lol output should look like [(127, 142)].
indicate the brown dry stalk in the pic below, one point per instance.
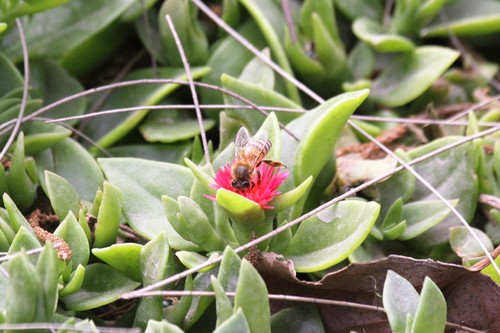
[(36, 218)]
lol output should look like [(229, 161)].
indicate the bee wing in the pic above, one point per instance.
[(242, 138)]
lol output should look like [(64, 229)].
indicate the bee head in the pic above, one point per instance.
[(241, 184)]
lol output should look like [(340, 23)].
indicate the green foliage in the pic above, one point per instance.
[(136, 199)]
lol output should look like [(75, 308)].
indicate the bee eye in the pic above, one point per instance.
[(234, 183)]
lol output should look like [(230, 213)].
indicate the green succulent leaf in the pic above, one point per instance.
[(236, 323), (49, 37), (259, 95), (123, 257), (62, 195), (201, 231), (40, 136), (142, 183), (373, 34), (156, 262), (466, 246), (176, 313), (16, 218), (102, 285), (465, 18), (410, 75), (22, 290), (400, 300), (21, 187), (300, 318), (330, 236), (420, 216), (162, 327), (53, 83), (75, 282), (288, 199), (224, 307), (71, 231), (455, 178), (108, 218), (192, 37), (252, 298), (242, 210), (318, 131), (47, 269), (66, 157), (118, 125), (431, 312), (270, 20), (24, 240), (192, 259)]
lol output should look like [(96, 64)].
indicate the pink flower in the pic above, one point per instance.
[(262, 192)]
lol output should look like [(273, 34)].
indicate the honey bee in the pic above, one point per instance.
[(249, 154)]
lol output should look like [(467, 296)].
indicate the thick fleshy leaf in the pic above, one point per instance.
[(24, 240), (454, 179), (252, 297), (48, 272), (201, 231), (162, 327), (236, 323), (270, 20), (142, 183), (420, 216), (22, 290), (224, 307), (108, 218), (192, 259), (466, 18), (71, 231), (16, 218), (11, 78), (47, 32), (242, 210), (298, 319), (288, 199), (66, 157), (102, 285), (189, 30), (170, 126), (173, 153), (220, 63), (465, 245), (22, 189), (431, 312), (356, 8), (175, 313), (53, 83), (119, 125), (256, 71), (410, 74), (372, 33), (40, 136), (330, 236), (229, 270), (258, 95), (62, 195), (75, 282), (157, 263), (123, 257), (318, 131), (199, 304), (400, 300)]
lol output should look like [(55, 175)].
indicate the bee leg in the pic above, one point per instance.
[(258, 177), (274, 164)]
